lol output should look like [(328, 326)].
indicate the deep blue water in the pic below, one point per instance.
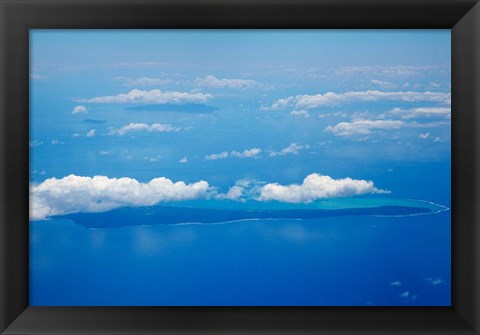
[(331, 261)]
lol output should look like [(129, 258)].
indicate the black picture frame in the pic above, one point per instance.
[(18, 16)]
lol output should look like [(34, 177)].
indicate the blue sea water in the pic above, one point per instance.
[(249, 253), (332, 261)]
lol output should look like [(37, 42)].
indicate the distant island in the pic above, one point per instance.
[(218, 211)]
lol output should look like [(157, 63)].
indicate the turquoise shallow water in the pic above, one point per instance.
[(348, 260)]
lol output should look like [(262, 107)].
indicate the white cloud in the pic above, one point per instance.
[(249, 153), (315, 187), (300, 113), (35, 143), (421, 112), (435, 281), (340, 114), (334, 99), (234, 193), (437, 139), (80, 110), (90, 133), (292, 149), (243, 188), (363, 127), (152, 97), (104, 152), (143, 81), (73, 193), (213, 82), (383, 84), (396, 283), (213, 157), (395, 71), (97, 194), (407, 297), (424, 136), (184, 160), (136, 127)]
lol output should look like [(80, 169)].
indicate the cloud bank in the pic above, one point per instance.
[(74, 194), (97, 194), (395, 71), (363, 127), (151, 97), (428, 112), (213, 82), (383, 84), (334, 99), (315, 187), (142, 81)]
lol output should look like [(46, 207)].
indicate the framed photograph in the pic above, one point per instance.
[(237, 167)]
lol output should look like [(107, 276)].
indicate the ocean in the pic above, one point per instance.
[(339, 260), (332, 147)]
